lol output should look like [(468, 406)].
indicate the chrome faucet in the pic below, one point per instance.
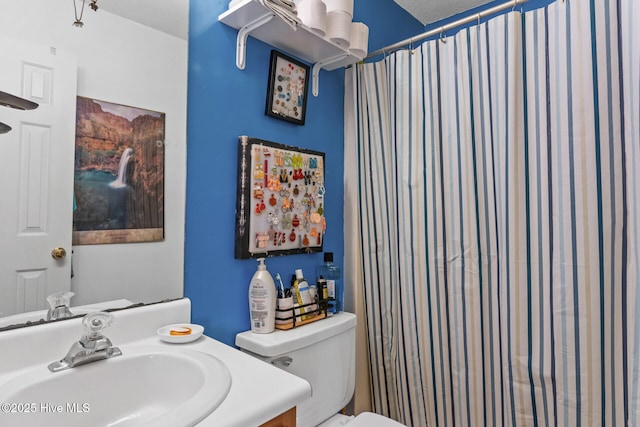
[(59, 305), (93, 345)]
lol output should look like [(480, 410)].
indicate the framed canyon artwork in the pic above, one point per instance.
[(118, 174)]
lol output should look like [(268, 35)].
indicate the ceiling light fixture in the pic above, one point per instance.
[(12, 101), (4, 128), (78, 22)]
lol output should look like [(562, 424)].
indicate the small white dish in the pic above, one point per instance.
[(165, 333)]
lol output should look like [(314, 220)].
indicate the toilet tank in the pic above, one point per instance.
[(322, 352)]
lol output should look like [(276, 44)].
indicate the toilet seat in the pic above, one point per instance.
[(369, 419), (365, 419), (338, 420)]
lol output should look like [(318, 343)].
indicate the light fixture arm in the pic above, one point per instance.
[(78, 22)]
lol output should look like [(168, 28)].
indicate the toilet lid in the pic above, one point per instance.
[(369, 419)]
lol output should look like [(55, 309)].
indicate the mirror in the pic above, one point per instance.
[(129, 53)]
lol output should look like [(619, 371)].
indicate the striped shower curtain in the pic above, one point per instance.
[(496, 182)]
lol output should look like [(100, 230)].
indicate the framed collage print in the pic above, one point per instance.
[(288, 88)]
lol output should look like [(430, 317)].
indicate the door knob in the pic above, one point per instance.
[(58, 253)]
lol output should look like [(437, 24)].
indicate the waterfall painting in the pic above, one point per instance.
[(119, 174)]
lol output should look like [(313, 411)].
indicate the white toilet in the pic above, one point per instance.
[(323, 353)]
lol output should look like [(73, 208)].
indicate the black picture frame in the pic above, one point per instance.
[(280, 199), (288, 88)]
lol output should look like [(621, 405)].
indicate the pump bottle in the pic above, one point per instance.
[(262, 300)]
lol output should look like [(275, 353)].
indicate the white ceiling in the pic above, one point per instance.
[(172, 16), (429, 11), (169, 16)]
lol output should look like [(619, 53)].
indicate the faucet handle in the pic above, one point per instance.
[(60, 298), (59, 305), (94, 323)]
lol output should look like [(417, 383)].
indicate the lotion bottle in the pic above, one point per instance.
[(262, 300)]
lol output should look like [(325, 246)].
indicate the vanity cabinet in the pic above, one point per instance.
[(286, 419)]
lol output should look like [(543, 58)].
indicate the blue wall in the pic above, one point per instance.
[(224, 103)]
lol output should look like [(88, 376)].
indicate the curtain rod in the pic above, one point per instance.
[(441, 30)]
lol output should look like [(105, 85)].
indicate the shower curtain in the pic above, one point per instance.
[(493, 179)]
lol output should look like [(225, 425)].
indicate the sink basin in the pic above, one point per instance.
[(147, 385)]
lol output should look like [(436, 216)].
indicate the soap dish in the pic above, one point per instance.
[(180, 333)]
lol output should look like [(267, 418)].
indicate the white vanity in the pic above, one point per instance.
[(151, 383)]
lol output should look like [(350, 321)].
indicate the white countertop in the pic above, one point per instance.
[(258, 392)]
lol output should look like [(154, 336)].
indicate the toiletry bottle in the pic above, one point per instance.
[(262, 300), (331, 273), (323, 296), (297, 300), (303, 296)]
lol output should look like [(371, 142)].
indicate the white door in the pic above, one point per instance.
[(36, 175)]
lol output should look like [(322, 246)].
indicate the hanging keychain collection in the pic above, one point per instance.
[(287, 199)]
